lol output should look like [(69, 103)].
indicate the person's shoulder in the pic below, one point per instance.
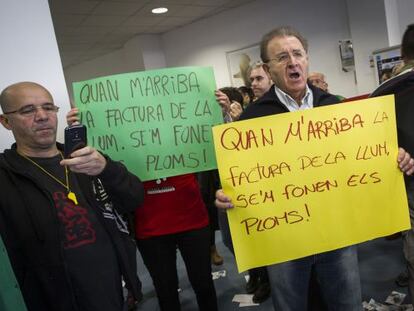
[(4, 161), (395, 85), (266, 105), (322, 98)]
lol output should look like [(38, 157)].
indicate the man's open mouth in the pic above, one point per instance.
[(294, 75)]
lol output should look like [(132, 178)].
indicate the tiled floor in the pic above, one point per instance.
[(380, 262)]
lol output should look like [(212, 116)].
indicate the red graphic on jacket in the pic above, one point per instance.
[(74, 218)]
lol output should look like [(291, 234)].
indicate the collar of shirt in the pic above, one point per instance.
[(291, 104)]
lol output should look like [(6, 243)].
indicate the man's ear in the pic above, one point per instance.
[(5, 121), (266, 68)]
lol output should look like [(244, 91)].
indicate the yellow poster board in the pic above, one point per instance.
[(311, 181)]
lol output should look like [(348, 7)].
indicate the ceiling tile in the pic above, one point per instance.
[(143, 20), (64, 30), (190, 11), (118, 8), (72, 6), (236, 3), (103, 20), (176, 21), (129, 29), (210, 2), (158, 29), (92, 30), (166, 3), (115, 38), (69, 19), (80, 38), (76, 47)]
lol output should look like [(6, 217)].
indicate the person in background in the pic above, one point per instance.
[(229, 99), (260, 80), (258, 283), (51, 221), (230, 107), (248, 95), (284, 54), (402, 86), (173, 216), (386, 74), (318, 79)]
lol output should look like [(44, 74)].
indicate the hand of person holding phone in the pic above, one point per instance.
[(86, 160)]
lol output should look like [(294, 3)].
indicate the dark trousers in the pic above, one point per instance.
[(160, 255)]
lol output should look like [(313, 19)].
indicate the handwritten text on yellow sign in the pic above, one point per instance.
[(311, 181)]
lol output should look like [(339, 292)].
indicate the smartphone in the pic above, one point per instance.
[(75, 138)]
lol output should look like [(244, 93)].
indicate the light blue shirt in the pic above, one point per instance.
[(291, 104)]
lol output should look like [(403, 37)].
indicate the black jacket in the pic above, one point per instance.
[(403, 88), (270, 104), (30, 229)]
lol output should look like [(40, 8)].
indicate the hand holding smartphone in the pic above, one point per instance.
[(75, 138)]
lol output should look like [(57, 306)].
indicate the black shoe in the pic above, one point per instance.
[(252, 285), (402, 279), (262, 293), (133, 303)]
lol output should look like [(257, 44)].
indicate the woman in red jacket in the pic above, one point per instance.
[(173, 217)]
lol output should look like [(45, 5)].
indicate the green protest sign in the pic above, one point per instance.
[(10, 297), (157, 122)]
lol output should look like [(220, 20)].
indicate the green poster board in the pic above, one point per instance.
[(157, 122), (10, 297)]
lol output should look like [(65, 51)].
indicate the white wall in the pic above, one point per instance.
[(152, 51), (29, 52), (207, 41), (140, 53), (405, 13), (119, 61), (393, 22)]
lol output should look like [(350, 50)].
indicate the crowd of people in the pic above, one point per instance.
[(71, 226)]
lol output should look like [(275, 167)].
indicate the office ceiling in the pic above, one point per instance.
[(86, 29)]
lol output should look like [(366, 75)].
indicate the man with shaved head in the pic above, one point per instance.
[(56, 214)]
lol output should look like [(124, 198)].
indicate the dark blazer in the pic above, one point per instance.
[(30, 229)]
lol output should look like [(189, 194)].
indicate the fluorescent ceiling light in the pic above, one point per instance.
[(159, 10)]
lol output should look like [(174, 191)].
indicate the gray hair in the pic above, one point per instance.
[(282, 31)]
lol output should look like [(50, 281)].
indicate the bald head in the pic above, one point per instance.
[(8, 95)]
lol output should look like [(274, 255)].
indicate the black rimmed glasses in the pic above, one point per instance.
[(31, 110)]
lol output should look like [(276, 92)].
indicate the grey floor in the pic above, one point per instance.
[(380, 262)]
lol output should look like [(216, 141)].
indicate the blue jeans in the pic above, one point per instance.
[(225, 230), (336, 272)]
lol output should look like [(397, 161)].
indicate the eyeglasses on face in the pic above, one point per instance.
[(285, 56), (31, 110)]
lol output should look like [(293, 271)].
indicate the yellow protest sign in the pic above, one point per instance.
[(311, 181)]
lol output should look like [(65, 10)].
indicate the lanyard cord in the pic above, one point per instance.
[(70, 195)]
